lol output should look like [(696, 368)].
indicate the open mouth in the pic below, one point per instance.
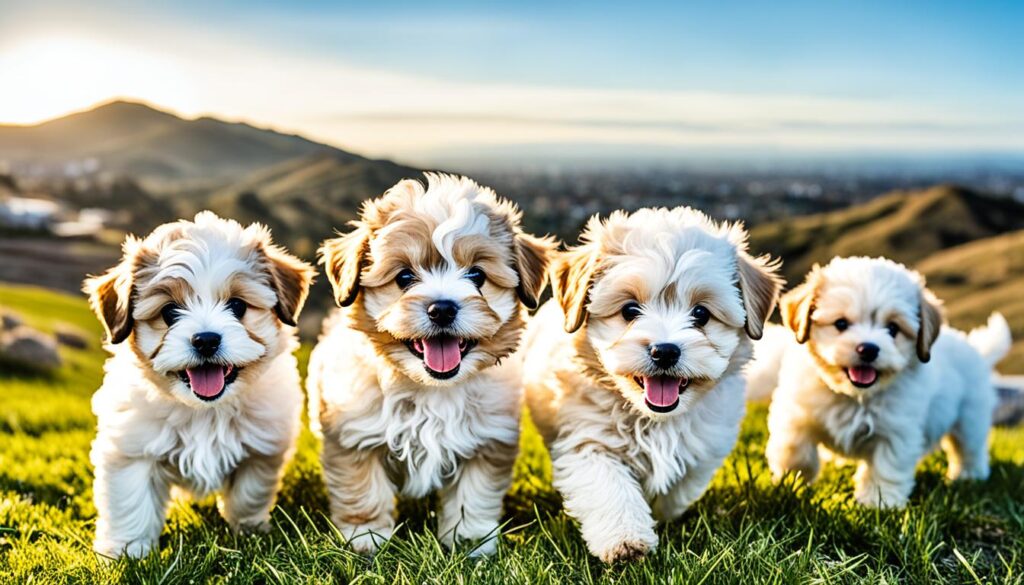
[(862, 376), (661, 393), (209, 381), (442, 355)]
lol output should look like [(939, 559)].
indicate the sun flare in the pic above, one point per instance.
[(58, 75)]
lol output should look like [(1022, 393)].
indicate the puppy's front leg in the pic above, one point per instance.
[(471, 505), (602, 494), (792, 447), (362, 497), (131, 503), (886, 479), (251, 491)]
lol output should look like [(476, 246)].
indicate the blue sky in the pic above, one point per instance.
[(867, 76)]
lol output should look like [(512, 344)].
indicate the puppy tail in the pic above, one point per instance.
[(993, 340), (762, 373)]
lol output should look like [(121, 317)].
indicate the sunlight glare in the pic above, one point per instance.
[(52, 76)]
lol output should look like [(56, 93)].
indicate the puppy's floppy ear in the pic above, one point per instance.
[(759, 286), (797, 305), (573, 276), (343, 259), (930, 314), (532, 256), (290, 278), (110, 294)]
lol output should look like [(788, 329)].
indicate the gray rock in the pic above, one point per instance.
[(29, 348), (71, 337), (9, 320)]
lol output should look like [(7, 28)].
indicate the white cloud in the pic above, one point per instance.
[(400, 115)]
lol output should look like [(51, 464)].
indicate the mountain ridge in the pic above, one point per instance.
[(157, 147)]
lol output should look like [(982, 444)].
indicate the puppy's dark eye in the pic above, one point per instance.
[(237, 307), (893, 329), (476, 276), (842, 324), (405, 278), (170, 313), (631, 310), (701, 315)]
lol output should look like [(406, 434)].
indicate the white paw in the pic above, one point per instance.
[(485, 548), (974, 474), (875, 498), (135, 549), (627, 550), (364, 538)]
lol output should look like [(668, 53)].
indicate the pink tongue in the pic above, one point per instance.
[(442, 354), (863, 374), (206, 380), (661, 390)]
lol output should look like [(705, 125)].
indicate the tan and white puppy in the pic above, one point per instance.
[(407, 382), (202, 392), (870, 373), (633, 371)]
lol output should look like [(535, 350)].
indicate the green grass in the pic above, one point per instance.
[(743, 530)]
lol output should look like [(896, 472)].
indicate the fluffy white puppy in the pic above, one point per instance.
[(639, 396), (405, 382), (201, 392), (870, 373)]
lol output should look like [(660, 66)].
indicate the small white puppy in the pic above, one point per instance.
[(405, 382), (202, 391), (872, 375), (635, 381)]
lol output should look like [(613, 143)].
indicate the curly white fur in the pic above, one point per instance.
[(153, 433), (620, 464), (912, 407)]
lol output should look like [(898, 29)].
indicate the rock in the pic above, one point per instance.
[(30, 349), (72, 337), (9, 321), (1010, 409)]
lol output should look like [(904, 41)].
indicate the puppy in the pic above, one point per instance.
[(201, 392), (640, 397), (405, 382), (874, 376)]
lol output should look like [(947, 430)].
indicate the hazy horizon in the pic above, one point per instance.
[(407, 81)]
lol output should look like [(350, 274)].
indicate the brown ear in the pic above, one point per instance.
[(110, 297), (343, 259), (573, 276), (797, 305), (759, 285), (290, 278), (930, 315), (533, 255)]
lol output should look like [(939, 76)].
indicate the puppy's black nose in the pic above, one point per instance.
[(868, 352), (206, 344), (665, 355), (442, 313)]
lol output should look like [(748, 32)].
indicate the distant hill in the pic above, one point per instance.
[(968, 245), (976, 278), (905, 226), (305, 200), (154, 147)]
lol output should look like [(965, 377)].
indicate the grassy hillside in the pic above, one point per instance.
[(976, 278), (305, 200), (905, 226), (743, 530), (953, 235)]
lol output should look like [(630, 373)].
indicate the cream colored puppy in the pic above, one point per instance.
[(870, 373), (633, 371), (407, 382), (202, 390)]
